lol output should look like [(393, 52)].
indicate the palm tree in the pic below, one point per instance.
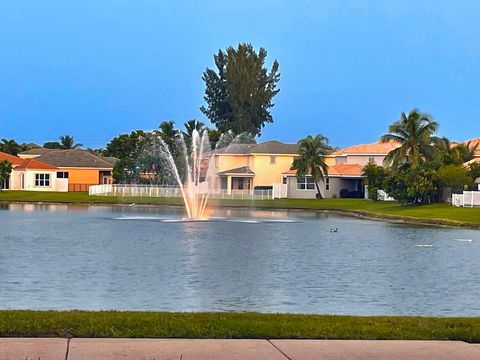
[(68, 142), (454, 153), (192, 125), (414, 133), (311, 160)]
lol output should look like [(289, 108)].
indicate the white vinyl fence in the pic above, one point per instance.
[(173, 191), (467, 199)]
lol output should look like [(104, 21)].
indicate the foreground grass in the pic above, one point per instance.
[(433, 214), (233, 326)]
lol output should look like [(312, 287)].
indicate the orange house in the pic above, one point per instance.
[(81, 167)]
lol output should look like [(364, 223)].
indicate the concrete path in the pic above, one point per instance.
[(197, 349)]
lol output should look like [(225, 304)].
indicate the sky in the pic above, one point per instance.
[(95, 69)]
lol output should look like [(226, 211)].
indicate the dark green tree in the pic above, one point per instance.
[(414, 133), (11, 147), (374, 176), (52, 145), (311, 160), (455, 177), (240, 91)]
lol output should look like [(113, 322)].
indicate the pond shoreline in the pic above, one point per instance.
[(398, 219)]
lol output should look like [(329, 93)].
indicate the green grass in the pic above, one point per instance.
[(27, 323), (433, 214)]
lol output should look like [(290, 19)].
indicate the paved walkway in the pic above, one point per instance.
[(197, 349)]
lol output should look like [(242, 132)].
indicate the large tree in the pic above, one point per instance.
[(414, 133), (11, 147), (311, 160), (239, 92)]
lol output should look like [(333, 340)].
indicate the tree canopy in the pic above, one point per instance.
[(414, 133), (311, 160), (240, 91)]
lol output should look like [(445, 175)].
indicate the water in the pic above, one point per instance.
[(134, 258)]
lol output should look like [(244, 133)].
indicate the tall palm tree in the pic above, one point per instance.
[(192, 125), (68, 142), (454, 153), (414, 133), (311, 160)]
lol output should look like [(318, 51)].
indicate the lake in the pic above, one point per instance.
[(144, 258)]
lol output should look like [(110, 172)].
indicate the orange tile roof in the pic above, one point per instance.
[(35, 164), (21, 164), (14, 160), (377, 148), (345, 170)]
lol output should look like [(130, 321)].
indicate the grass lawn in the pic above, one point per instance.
[(434, 214), (233, 325)]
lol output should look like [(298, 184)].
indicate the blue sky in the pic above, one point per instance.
[(95, 69)]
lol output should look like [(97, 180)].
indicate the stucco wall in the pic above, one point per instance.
[(335, 186), (266, 173), (229, 162), (82, 176), (55, 184), (364, 159)]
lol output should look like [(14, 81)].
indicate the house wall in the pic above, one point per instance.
[(266, 173), (228, 162), (294, 193), (55, 184), (336, 184), (364, 159)]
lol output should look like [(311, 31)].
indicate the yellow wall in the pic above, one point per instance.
[(229, 162), (267, 173)]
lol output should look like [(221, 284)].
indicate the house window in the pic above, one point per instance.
[(273, 160), (371, 160), (62, 175), (5, 184), (284, 180), (305, 183), (327, 184), (42, 180)]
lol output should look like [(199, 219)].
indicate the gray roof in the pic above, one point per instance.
[(267, 147), (244, 170), (72, 158), (36, 151)]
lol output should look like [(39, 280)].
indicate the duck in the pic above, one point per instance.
[(334, 230)]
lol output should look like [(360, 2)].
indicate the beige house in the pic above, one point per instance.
[(344, 177), (33, 175), (252, 166)]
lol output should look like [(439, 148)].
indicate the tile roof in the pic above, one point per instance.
[(267, 147), (377, 148), (72, 158), (345, 170), (244, 170), (20, 163)]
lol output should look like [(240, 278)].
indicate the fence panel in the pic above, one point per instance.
[(127, 190)]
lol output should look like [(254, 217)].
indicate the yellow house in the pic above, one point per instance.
[(252, 166), (81, 167)]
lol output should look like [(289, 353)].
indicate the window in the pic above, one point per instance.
[(305, 183), (371, 160), (273, 160), (5, 184), (327, 184), (62, 175), (42, 180), (284, 180)]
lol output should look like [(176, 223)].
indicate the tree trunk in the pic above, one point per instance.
[(318, 190)]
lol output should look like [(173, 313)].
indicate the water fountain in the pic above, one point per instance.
[(197, 182)]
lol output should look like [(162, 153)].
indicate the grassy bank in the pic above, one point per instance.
[(433, 214), (234, 325)]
